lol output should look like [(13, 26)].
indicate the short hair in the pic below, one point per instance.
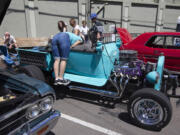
[(72, 20), (84, 22)]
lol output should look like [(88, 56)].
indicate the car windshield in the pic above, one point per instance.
[(164, 41)]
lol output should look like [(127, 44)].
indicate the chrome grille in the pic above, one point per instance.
[(32, 58), (13, 122)]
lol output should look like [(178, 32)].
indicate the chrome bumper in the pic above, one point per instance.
[(42, 128)]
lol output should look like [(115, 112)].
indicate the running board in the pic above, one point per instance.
[(95, 91)]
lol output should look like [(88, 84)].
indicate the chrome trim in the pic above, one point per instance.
[(53, 117), (148, 111)]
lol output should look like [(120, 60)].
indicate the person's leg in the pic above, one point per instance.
[(56, 56), (64, 48), (62, 69), (56, 68)]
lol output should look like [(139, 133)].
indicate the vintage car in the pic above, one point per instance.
[(26, 104), (116, 76), (150, 45)]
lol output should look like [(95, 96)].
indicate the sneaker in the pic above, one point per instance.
[(55, 82), (61, 82)]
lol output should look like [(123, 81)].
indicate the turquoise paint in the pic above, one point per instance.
[(99, 47), (88, 68), (92, 65), (118, 43), (160, 68), (49, 62), (152, 77), (95, 81)]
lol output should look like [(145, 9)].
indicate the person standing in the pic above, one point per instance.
[(178, 25), (62, 26), (96, 30), (84, 30), (61, 44), (76, 29)]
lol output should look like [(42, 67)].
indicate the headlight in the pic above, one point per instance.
[(33, 112), (152, 77), (46, 104)]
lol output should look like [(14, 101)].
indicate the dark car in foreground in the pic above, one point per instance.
[(150, 45), (26, 104)]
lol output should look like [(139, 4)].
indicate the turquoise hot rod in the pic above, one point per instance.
[(116, 76)]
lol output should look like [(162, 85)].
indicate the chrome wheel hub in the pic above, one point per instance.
[(148, 111)]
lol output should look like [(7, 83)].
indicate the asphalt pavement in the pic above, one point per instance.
[(83, 115)]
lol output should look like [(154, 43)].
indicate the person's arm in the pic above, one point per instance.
[(76, 43), (6, 40), (65, 29), (13, 44), (98, 35)]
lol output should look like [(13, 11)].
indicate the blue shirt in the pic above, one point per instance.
[(73, 38)]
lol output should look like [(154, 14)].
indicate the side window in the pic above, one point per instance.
[(156, 42), (173, 42)]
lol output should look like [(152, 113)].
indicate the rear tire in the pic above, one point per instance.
[(150, 109), (32, 71)]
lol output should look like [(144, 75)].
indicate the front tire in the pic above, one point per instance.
[(150, 109)]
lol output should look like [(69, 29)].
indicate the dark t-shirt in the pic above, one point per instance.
[(97, 27)]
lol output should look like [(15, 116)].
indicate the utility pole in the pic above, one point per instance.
[(88, 11), (160, 16)]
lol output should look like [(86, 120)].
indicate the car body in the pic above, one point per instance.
[(100, 70), (26, 104), (150, 45), (26, 112)]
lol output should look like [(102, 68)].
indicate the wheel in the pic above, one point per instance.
[(150, 109), (32, 71)]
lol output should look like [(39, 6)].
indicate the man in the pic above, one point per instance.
[(76, 29), (61, 44), (96, 30), (9, 41)]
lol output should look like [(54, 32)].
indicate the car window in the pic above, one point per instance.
[(156, 42), (172, 42)]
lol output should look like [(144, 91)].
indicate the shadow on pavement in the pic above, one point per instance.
[(124, 116), (50, 133), (63, 92)]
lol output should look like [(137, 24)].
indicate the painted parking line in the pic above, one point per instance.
[(90, 125)]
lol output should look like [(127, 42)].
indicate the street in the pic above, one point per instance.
[(85, 116)]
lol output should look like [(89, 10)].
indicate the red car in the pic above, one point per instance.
[(150, 45)]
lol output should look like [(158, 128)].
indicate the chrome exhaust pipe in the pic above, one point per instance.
[(95, 91)]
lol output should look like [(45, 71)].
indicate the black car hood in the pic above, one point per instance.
[(25, 83), (4, 4)]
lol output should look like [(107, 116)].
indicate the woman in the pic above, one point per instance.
[(84, 30), (62, 27), (61, 44)]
